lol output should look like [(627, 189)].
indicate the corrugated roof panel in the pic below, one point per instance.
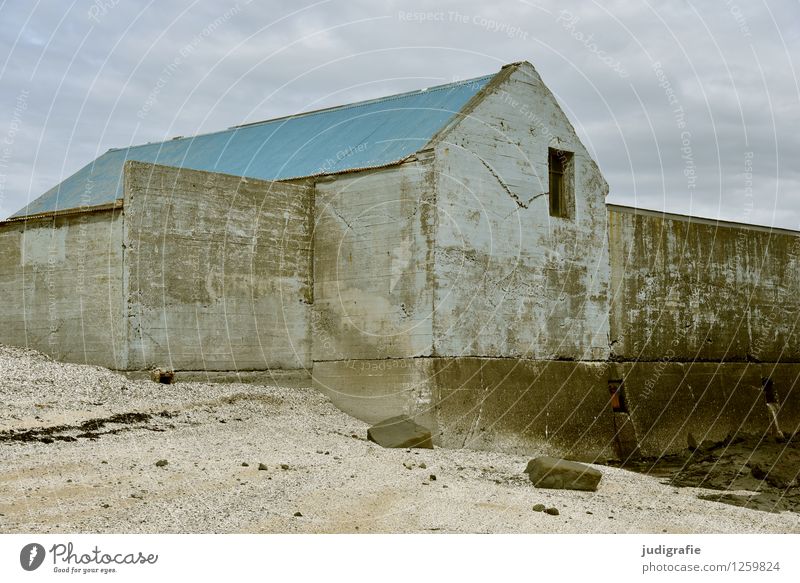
[(361, 135)]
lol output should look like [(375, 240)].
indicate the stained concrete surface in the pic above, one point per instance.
[(688, 290), (61, 282), (217, 271)]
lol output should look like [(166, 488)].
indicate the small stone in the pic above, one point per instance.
[(284, 466), (551, 511), (400, 432), (550, 472), (245, 465), (263, 467), (105, 505), (432, 477), (161, 463), (298, 514), (707, 445), (538, 507), (423, 466), (166, 377)]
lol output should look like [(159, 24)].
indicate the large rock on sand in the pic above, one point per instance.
[(400, 431), (550, 472)]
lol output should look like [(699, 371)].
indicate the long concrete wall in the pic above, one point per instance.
[(691, 290), (217, 271), (511, 280), (702, 313), (61, 286)]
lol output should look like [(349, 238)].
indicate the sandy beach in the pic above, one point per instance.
[(83, 449)]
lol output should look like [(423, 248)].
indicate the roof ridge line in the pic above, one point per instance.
[(364, 102)]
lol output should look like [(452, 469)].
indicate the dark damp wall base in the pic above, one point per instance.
[(565, 408)]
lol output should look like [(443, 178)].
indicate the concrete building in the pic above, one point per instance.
[(446, 253)]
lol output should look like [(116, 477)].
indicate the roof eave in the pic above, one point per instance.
[(117, 204)]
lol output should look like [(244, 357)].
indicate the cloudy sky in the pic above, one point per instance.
[(688, 106)]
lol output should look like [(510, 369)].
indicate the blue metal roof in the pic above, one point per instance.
[(360, 135)]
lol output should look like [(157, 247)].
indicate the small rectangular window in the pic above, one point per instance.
[(559, 164)]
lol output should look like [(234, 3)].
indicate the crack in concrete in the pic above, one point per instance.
[(513, 196), (469, 435), (340, 217)]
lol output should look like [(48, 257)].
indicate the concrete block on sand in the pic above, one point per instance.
[(550, 472), (400, 431)]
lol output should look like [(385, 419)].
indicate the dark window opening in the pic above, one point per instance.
[(559, 165)]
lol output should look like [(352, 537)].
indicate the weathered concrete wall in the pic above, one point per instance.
[(373, 251), (61, 286), (555, 407), (696, 306), (510, 279), (669, 400), (373, 295), (218, 271), (689, 290)]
